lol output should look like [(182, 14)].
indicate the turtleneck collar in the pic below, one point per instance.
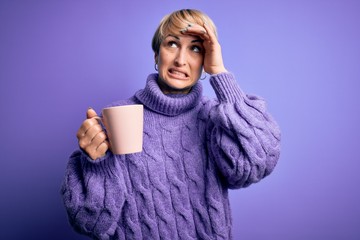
[(171, 105)]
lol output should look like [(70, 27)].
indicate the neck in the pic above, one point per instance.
[(170, 103), (165, 89)]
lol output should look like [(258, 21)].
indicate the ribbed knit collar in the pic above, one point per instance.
[(171, 105)]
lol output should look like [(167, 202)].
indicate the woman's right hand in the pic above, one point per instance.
[(92, 138)]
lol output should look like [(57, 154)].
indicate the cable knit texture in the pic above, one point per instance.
[(194, 150)]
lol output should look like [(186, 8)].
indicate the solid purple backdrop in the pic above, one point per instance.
[(57, 58)]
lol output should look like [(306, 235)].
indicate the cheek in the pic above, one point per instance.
[(163, 61), (197, 65), (162, 68)]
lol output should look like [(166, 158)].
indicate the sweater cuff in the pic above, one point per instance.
[(86, 157), (101, 163), (226, 87)]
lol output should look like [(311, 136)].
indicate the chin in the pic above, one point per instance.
[(178, 83), (170, 84), (180, 86)]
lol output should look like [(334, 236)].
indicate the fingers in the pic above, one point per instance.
[(210, 33), (98, 146), (196, 30), (91, 133), (92, 138), (95, 153), (85, 126), (102, 148), (92, 120), (90, 113), (204, 32), (94, 142)]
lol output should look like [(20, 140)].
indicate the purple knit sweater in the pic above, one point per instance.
[(194, 150)]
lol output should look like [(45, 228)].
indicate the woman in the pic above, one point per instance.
[(194, 148)]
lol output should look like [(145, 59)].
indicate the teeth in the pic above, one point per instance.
[(178, 73)]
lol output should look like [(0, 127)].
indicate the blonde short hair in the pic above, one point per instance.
[(174, 22)]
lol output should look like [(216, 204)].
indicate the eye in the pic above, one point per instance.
[(196, 49), (172, 44)]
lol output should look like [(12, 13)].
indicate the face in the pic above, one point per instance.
[(180, 61)]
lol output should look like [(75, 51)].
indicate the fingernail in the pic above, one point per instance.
[(183, 30), (90, 108)]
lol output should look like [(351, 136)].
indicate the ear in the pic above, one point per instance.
[(156, 56)]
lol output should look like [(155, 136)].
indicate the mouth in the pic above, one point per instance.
[(176, 73)]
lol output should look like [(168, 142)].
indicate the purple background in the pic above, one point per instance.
[(57, 58)]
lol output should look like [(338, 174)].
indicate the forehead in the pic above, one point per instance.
[(183, 38)]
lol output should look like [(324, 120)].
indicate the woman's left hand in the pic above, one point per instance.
[(213, 62)]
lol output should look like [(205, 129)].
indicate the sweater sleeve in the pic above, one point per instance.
[(93, 193), (244, 140)]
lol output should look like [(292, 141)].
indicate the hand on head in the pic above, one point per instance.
[(92, 138), (213, 62)]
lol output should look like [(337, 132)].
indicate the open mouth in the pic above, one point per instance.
[(178, 73)]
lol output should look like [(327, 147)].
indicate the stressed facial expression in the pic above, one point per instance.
[(180, 62)]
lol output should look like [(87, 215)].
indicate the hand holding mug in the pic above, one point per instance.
[(92, 138)]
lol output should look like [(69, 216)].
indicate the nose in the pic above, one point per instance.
[(180, 59)]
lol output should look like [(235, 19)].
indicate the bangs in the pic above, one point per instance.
[(179, 20)]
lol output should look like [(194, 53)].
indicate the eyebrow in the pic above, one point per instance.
[(178, 38)]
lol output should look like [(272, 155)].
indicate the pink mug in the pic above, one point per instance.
[(124, 127)]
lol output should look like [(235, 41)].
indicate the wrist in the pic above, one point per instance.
[(217, 70)]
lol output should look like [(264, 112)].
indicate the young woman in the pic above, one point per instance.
[(194, 148)]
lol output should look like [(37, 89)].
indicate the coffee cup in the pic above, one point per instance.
[(124, 127)]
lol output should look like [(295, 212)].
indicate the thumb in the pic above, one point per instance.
[(91, 113)]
